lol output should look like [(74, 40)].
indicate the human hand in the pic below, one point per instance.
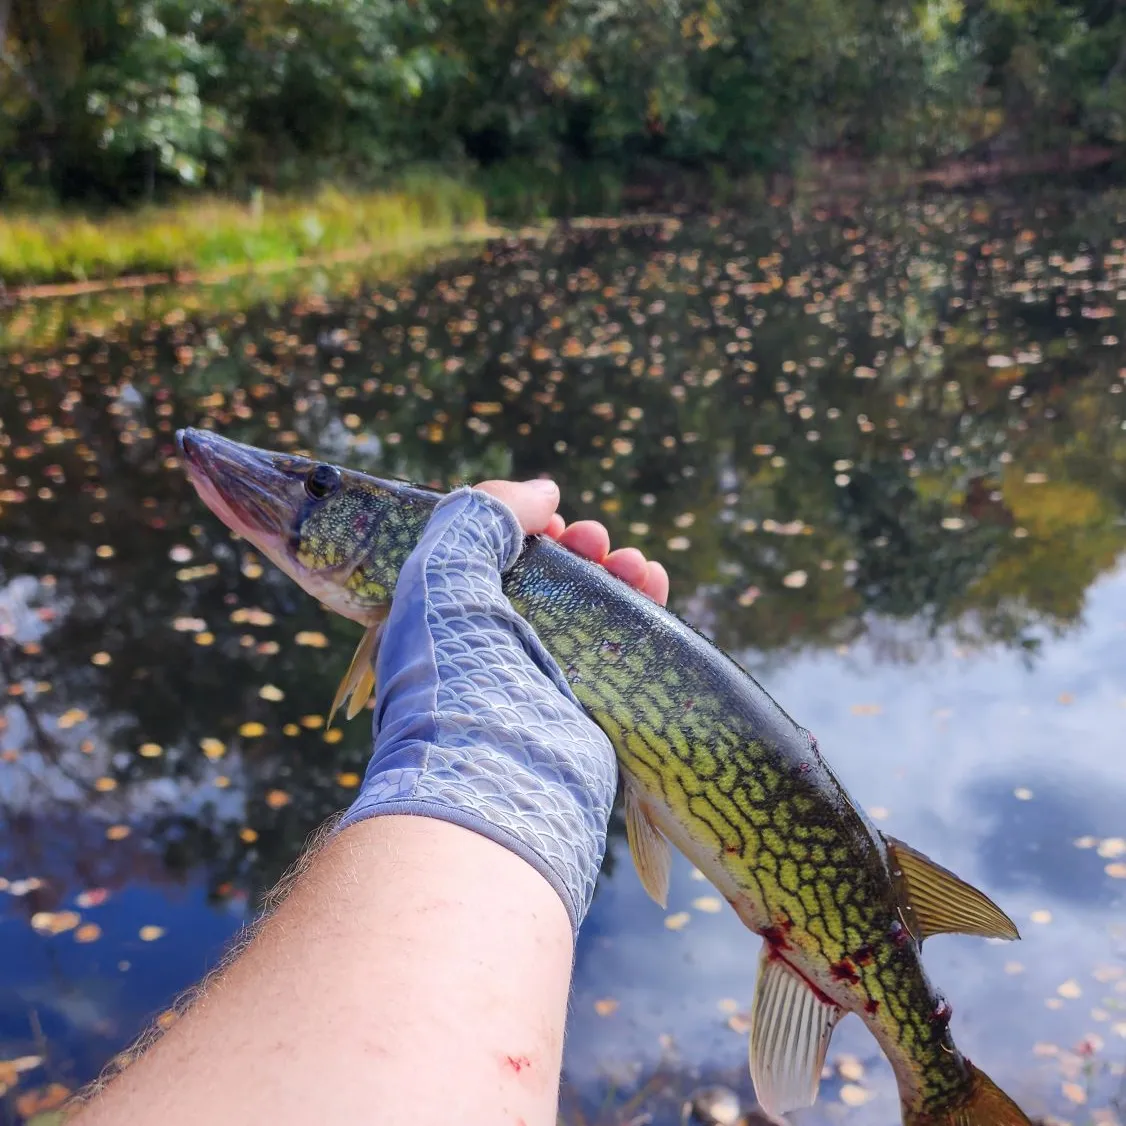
[(475, 723), (534, 503)]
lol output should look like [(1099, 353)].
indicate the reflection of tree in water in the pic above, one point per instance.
[(819, 421)]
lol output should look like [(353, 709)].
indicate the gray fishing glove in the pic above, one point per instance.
[(474, 721)]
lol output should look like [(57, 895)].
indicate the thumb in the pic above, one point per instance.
[(533, 502)]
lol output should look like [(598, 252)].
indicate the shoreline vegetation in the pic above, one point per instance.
[(206, 241)]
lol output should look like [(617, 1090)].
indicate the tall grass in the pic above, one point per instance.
[(209, 234)]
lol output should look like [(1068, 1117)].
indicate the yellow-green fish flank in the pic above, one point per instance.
[(710, 763)]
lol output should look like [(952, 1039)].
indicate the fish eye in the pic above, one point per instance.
[(322, 481)]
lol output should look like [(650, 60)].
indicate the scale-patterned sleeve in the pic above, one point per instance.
[(475, 723)]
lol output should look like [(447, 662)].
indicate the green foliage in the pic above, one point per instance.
[(123, 99)]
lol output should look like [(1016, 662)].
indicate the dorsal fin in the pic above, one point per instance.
[(935, 901), (359, 680)]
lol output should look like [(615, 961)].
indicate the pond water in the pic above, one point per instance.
[(881, 448)]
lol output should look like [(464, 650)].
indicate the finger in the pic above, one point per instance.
[(533, 502), (657, 583), (587, 538), (629, 565), (555, 526)]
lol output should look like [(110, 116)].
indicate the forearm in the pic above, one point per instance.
[(416, 973)]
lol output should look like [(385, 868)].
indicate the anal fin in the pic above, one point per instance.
[(359, 681), (935, 901), (652, 856), (791, 1025)]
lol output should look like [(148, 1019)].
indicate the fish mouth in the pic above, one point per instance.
[(249, 489)]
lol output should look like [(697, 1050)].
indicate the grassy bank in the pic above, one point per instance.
[(204, 235)]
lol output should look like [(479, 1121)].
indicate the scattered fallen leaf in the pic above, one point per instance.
[(277, 799), (248, 835), (150, 750), (88, 932), (271, 692), (252, 729), (677, 921), (117, 832), (213, 748), (150, 933), (606, 1007), (313, 638)]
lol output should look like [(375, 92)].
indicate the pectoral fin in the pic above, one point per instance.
[(650, 850), (935, 901), (359, 680), (791, 1026)]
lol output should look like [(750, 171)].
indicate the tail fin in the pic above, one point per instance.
[(986, 1105)]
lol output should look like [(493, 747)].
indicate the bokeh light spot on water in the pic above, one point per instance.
[(888, 479)]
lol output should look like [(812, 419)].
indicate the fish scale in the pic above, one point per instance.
[(710, 763)]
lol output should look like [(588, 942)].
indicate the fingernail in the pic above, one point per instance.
[(544, 486)]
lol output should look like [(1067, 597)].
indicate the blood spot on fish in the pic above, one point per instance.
[(844, 970), (517, 1063), (360, 522), (900, 935), (804, 768), (863, 955), (776, 936), (614, 647), (689, 705), (943, 1012), (872, 1007), (733, 849)]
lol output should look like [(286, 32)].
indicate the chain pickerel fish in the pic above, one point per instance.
[(709, 762)]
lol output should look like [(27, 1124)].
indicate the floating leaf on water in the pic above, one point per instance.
[(1070, 989), (795, 580), (150, 933), (105, 785), (1112, 848), (71, 717), (180, 553), (312, 721), (708, 903), (205, 638), (55, 922), (1014, 968), (854, 1095), (1074, 1093), (879, 812), (1023, 793), (348, 779), (220, 781), (104, 551), (677, 921), (679, 543), (150, 750), (953, 523), (252, 729), (313, 638), (1116, 870), (117, 832), (41, 1101), (252, 615), (1042, 916), (271, 692), (213, 748), (849, 1067), (866, 709), (88, 932), (93, 897), (333, 736), (101, 658), (188, 625), (277, 799), (248, 835), (606, 1007)]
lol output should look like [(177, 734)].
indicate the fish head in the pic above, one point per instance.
[(339, 534)]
